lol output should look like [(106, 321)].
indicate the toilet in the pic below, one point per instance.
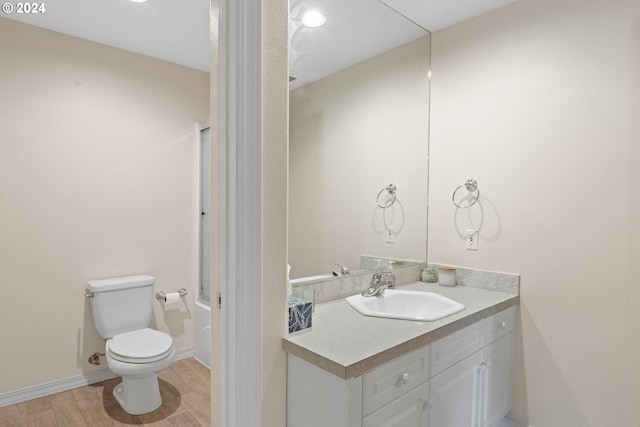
[(121, 308)]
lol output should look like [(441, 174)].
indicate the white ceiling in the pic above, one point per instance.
[(178, 31), (173, 30), (435, 15), (355, 30)]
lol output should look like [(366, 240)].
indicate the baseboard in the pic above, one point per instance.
[(58, 386), (510, 422)]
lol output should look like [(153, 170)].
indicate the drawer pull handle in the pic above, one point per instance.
[(503, 325), (404, 378)]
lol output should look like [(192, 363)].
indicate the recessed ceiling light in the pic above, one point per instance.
[(313, 19), (138, 1)]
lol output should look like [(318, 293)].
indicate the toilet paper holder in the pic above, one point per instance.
[(162, 296)]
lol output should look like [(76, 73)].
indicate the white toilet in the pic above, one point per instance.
[(122, 308)]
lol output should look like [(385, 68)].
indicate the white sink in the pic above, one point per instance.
[(406, 305)]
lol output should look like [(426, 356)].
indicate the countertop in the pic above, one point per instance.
[(348, 344)]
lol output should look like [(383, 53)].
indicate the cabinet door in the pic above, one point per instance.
[(455, 395), (409, 410), (497, 373)]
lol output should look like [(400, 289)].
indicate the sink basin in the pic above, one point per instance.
[(406, 305)]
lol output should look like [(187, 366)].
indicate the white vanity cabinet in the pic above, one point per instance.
[(394, 394), (461, 380), (397, 393), (473, 387), (409, 410), (497, 375)]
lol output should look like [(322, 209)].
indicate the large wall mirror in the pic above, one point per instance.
[(358, 137)]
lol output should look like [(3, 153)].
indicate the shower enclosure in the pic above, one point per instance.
[(202, 310)]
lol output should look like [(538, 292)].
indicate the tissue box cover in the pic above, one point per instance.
[(299, 314)]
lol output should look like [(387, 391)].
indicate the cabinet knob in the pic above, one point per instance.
[(503, 325), (404, 378)]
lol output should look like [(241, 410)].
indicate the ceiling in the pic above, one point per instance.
[(178, 31), (172, 30)]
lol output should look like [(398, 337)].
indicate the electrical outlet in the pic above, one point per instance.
[(389, 234), (471, 240)]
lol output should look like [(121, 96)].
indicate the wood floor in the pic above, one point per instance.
[(184, 386)]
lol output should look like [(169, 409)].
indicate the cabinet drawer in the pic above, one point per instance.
[(411, 409), (499, 325), (395, 378), (453, 348)]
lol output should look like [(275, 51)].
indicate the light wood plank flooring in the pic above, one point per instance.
[(184, 386)]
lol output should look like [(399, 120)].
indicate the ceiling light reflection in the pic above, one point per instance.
[(313, 19)]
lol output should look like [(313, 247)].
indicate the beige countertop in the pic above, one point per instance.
[(348, 344)]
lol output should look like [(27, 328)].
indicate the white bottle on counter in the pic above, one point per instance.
[(446, 275)]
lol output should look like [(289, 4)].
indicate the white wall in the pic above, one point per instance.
[(97, 179), (352, 134), (540, 102)]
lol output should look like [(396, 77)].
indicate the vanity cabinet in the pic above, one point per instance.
[(410, 410), (471, 374), (461, 380), (496, 377)]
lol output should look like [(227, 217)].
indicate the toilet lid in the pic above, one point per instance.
[(141, 346)]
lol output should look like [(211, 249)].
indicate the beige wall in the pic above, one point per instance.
[(352, 134), (539, 102), (97, 179), (274, 210)]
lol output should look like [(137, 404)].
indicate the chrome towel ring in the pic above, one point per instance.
[(472, 186), (391, 199)]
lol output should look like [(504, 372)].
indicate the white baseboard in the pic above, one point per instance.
[(58, 386), (510, 422)]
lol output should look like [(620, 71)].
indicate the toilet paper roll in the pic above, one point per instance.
[(172, 298)]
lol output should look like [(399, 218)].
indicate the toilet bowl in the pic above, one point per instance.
[(137, 356), (121, 309)]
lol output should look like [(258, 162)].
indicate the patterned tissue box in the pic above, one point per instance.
[(299, 314)]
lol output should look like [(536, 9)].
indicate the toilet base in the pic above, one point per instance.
[(138, 395)]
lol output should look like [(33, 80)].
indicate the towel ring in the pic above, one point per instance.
[(472, 186), (391, 189)]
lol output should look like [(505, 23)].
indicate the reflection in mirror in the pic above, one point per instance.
[(358, 138)]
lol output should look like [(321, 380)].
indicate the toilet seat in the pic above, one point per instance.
[(141, 346)]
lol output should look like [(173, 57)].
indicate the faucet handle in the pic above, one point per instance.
[(376, 278), (390, 278), (342, 270)]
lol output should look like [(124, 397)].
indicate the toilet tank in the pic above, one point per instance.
[(121, 304)]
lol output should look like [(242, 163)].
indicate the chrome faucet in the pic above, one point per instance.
[(380, 282), (341, 270)]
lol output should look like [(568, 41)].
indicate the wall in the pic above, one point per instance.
[(352, 134), (273, 213), (275, 85), (539, 102), (97, 179), (214, 219)]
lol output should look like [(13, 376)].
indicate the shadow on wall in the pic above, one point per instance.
[(561, 408), (474, 217), (174, 316), (89, 341)]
